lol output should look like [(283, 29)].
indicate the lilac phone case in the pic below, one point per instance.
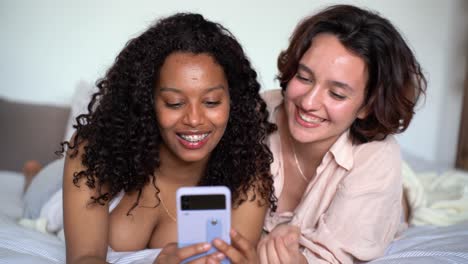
[(204, 221)]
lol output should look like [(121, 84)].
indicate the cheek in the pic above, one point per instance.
[(295, 89), (344, 113), (220, 117), (166, 119), (294, 92)]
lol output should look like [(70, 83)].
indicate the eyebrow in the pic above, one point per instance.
[(338, 84), (342, 85), (304, 68), (175, 90)]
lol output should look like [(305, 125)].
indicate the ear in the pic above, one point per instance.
[(363, 112)]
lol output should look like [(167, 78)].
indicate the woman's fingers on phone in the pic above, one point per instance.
[(202, 260), (171, 253), (169, 248), (192, 250), (241, 250), (232, 253), (215, 258)]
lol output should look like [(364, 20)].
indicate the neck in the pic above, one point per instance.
[(309, 154), (175, 171)]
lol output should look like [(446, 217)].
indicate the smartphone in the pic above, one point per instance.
[(203, 214)]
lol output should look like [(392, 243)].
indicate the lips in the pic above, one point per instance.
[(193, 140), (308, 120)]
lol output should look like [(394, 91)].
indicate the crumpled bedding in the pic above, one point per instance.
[(436, 199)]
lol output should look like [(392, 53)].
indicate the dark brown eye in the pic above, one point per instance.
[(337, 96), (303, 79), (174, 105), (212, 103)]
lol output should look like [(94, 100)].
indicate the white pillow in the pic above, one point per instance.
[(79, 104), (43, 186)]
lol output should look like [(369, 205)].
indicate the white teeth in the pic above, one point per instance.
[(309, 119), (194, 138)]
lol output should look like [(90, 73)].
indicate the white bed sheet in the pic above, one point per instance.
[(22, 245), (11, 189), (419, 245), (429, 244)]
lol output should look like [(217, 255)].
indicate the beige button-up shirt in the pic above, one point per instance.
[(351, 209)]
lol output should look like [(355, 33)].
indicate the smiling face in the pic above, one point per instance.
[(327, 93), (192, 105)]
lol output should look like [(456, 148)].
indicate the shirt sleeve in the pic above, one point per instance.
[(364, 214)]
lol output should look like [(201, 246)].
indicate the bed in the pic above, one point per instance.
[(31, 131)]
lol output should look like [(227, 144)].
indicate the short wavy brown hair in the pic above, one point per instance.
[(395, 79)]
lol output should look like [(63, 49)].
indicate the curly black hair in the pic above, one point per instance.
[(120, 130)]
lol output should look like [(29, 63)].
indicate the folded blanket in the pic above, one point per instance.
[(436, 199)]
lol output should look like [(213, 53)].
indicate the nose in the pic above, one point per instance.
[(312, 100), (194, 116)]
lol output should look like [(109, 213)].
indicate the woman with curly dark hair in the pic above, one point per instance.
[(179, 107)]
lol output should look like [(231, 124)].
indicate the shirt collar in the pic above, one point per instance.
[(342, 151)]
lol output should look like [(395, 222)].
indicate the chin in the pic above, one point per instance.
[(194, 157), (303, 136)]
